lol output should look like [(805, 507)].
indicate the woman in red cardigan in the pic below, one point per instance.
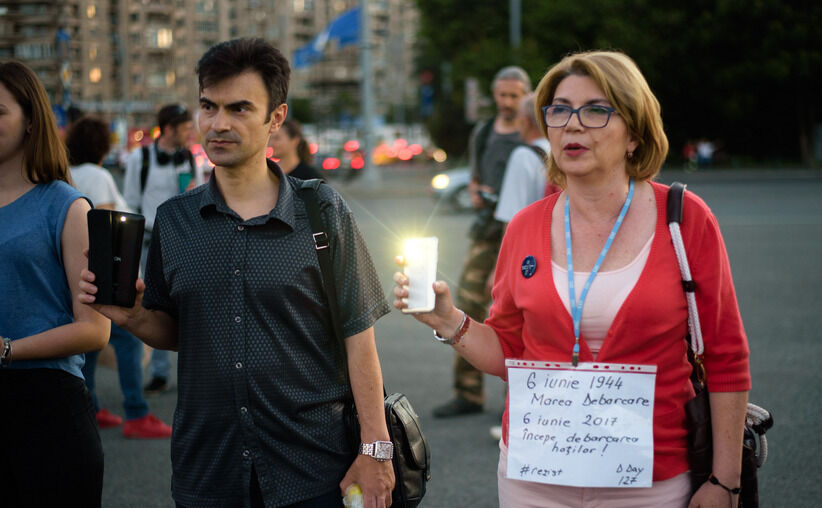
[(623, 303)]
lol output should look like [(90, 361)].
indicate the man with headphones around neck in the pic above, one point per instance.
[(149, 182)]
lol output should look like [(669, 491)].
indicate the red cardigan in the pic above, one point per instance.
[(649, 328)]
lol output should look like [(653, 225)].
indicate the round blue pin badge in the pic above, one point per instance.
[(529, 267)]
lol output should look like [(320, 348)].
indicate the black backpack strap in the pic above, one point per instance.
[(482, 138), (191, 166), (144, 169), (542, 154)]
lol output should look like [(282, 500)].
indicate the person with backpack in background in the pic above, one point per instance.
[(88, 143), (525, 173), (524, 181), (489, 146), (155, 173)]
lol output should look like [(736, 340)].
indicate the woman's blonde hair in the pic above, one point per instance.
[(44, 156), (628, 92)]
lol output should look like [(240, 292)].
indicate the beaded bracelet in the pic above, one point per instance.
[(714, 481), (461, 330)]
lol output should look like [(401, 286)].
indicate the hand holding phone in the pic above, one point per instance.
[(421, 269)]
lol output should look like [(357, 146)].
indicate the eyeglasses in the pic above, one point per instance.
[(592, 116)]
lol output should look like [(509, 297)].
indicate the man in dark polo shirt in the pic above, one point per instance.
[(233, 283)]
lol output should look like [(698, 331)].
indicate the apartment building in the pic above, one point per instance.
[(123, 58), (67, 43)]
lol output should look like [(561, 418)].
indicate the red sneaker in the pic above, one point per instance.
[(107, 420), (147, 427)]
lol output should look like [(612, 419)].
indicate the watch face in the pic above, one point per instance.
[(383, 450)]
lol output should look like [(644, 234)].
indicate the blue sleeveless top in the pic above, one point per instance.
[(34, 290)]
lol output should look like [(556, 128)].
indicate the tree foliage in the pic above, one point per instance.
[(743, 72)]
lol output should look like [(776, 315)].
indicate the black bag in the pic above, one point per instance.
[(412, 458), (698, 409)]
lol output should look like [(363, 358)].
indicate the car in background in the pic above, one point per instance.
[(451, 189)]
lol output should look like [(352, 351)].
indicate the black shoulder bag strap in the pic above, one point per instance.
[(322, 243)]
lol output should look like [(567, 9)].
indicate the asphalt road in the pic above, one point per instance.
[(772, 225)]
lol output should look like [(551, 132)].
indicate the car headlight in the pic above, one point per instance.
[(440, 181)]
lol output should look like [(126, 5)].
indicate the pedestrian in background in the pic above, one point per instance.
[(234, 284), (705, 153), (155, 173), (525, 173), (607, 143), (489, 147), (88, 142), (51, 453), (289, 145), (524, 180)]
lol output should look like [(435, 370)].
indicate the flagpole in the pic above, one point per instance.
[(369, 172)]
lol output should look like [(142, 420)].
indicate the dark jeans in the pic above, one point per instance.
[(129, 352), (51, 454)]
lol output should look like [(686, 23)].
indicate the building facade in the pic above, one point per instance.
[(124, 58)]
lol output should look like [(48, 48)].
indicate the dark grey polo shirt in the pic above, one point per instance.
[(259, 374)]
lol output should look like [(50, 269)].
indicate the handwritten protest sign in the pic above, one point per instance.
[(585, 426)]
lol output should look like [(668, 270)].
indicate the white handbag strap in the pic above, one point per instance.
[(757, 418), (675, 197)]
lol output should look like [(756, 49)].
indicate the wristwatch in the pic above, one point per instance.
[(5, 351), (378, 450)]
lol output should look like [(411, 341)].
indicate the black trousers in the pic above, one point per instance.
[(51, 454)]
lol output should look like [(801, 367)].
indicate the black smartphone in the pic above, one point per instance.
[(115, 245)]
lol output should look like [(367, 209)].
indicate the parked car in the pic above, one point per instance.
[(451, 188)]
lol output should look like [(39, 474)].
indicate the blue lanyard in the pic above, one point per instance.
[(576, 308)]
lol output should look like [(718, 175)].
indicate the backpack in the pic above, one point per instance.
[(145, 164)]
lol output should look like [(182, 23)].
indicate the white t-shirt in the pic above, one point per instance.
[(161, 183), (524, 181), (98, 185)]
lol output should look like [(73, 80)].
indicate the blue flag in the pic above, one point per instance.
[(344, 30)]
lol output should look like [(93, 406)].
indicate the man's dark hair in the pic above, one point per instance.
[(88, 140), (231, 58), (173, 115)]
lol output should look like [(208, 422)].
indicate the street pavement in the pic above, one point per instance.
[(772, 225)]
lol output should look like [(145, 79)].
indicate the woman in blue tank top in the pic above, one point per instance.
[(51, 453)]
